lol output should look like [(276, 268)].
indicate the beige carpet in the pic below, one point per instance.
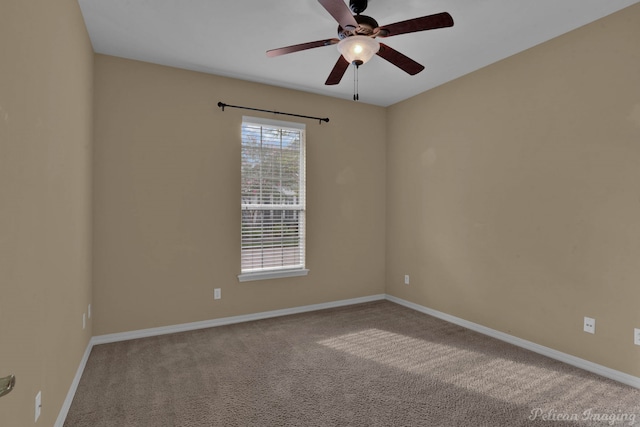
[(375, 364)]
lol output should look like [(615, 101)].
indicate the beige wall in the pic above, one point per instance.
[(167, 197), (46, 65), (513, 195)]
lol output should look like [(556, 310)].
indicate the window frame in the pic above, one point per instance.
[(265, 273)]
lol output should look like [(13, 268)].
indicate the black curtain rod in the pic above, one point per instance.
[(319, 119)]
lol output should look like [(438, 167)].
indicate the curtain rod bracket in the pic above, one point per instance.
[(222, 105)]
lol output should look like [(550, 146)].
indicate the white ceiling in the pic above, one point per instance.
[(230, 38)]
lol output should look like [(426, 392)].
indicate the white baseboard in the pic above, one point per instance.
[(143, 333), (537, 348), (62, 415)]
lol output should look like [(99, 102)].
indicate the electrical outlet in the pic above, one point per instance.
[(89, 311), (590, 325), (217, 293), (84, 320), (406, 279), (38, 404), (636, 336)]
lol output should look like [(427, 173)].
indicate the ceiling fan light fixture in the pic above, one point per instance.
[(358, 49)]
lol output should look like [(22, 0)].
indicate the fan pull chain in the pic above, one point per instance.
[(356, 96)]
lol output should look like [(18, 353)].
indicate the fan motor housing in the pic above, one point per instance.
[(366, 27)]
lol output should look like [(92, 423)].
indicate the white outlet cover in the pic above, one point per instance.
[(636, 336), (38, 404), (406, 279), (217, 294), (590, 325)]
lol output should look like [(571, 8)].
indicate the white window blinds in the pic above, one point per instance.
[(273, 196)]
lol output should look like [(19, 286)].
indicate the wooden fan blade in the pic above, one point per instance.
[(399, 60), (431, 22), (302, 46), (341, 13), (338, 71)]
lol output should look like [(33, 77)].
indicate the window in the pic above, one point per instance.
[(273, 199)]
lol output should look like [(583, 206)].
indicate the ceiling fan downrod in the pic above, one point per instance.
[(358, 6)]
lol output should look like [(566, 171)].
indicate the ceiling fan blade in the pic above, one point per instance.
[(338, 71), (298, 47), (431, 22), (399, 60), (341, 13)]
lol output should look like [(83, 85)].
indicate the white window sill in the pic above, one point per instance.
[(275, 274)]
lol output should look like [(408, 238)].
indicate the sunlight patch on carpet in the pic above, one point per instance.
[(505, 379)]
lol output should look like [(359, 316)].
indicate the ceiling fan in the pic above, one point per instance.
[(356, 37)]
